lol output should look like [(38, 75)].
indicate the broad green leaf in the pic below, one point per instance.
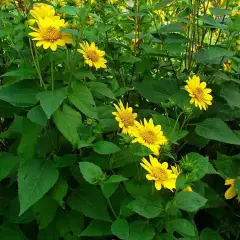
[(140, 150), (129, 59), (231, 94), (102, 89), (31, 132), (51, 100), (172, 27), (182, 226), (199, 166), (211, 21), (161, 4), (67, 121), (216, 129), (138, 189), (189, 201), (97, 228), (115, 179), (148, 208), (89, 201), (37, 115), (7, 163), (207, 234), (10, 234), (157, 91), (69, 10), (19, 94), (219, 11), (35, 178), (120, 228), (84, 73), (64, 161), (49, 233), (109, 189), (104, 147), (7, 110), (141, 231), (237, 186), (91, 172), (76, 222), (59, 191), (82, 98), (45, 210)]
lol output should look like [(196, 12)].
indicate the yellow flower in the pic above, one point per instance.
[(90, 20), (227, 65), (92, 55), (125, 117), (4, 3), (161, 14), (235, 12), (159, 173), (149, 135), (49, 33), (61, 3), (79, 3), (199, 93), (176, 170), (112, 1), (231, 193), (135, 41), (41, 10)]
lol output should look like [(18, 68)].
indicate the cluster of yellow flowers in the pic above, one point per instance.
[(48, 34), (231, 193)]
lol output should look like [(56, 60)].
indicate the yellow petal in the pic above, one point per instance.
[(158, 185), (230, 193)]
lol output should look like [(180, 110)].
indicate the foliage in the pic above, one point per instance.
[(119, 119)]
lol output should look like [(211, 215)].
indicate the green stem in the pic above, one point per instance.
[(111, 207), (52, 75)]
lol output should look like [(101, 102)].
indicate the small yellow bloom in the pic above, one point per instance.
[(161, 14), (176, 170), (159, 173), (41, 10), (200, 95), (60, 3), (149, 135), (235, 12), (79, 3), (227, 65), (49, 33), (125, 117), (90, 20), (92, 55), (231, 193)]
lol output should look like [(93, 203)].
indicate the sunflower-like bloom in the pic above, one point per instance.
[(176, 170), (149, 135), (92, 55), (231, 193), (49, 33), (125, 117), (41, 10), (159, 173), (199, 93)]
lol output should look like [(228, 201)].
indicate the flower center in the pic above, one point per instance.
[(149, 136), (52, 34), (160, 174), (92, 55), (127, 118), (199, 94)]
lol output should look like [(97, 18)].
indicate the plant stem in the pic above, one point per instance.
[(52, 75), (111, 207)]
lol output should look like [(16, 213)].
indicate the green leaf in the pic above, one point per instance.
[(216, 129), (31, 132), (138, 189), (19, 94), (140, 150), (7, 110), (10, 234), (45, 210), (219, 11), (148, 208), (109, 189), (237, 186), (89, 201), (91, 172), (172, 27), (76, 222), (139, 230), (37, 115), (157, 91), (67, 121), (162, 4), (104, 147), (66, 160), (189, 201), (82, 98), (59, 191), (231, 94), (35, 178), (70, 10), (102, 89), (129, 59), (207, 234), (115, 179), (7, 163), (211, 21), (51, 100), (182, 226), (120, 228), (97, 228)]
